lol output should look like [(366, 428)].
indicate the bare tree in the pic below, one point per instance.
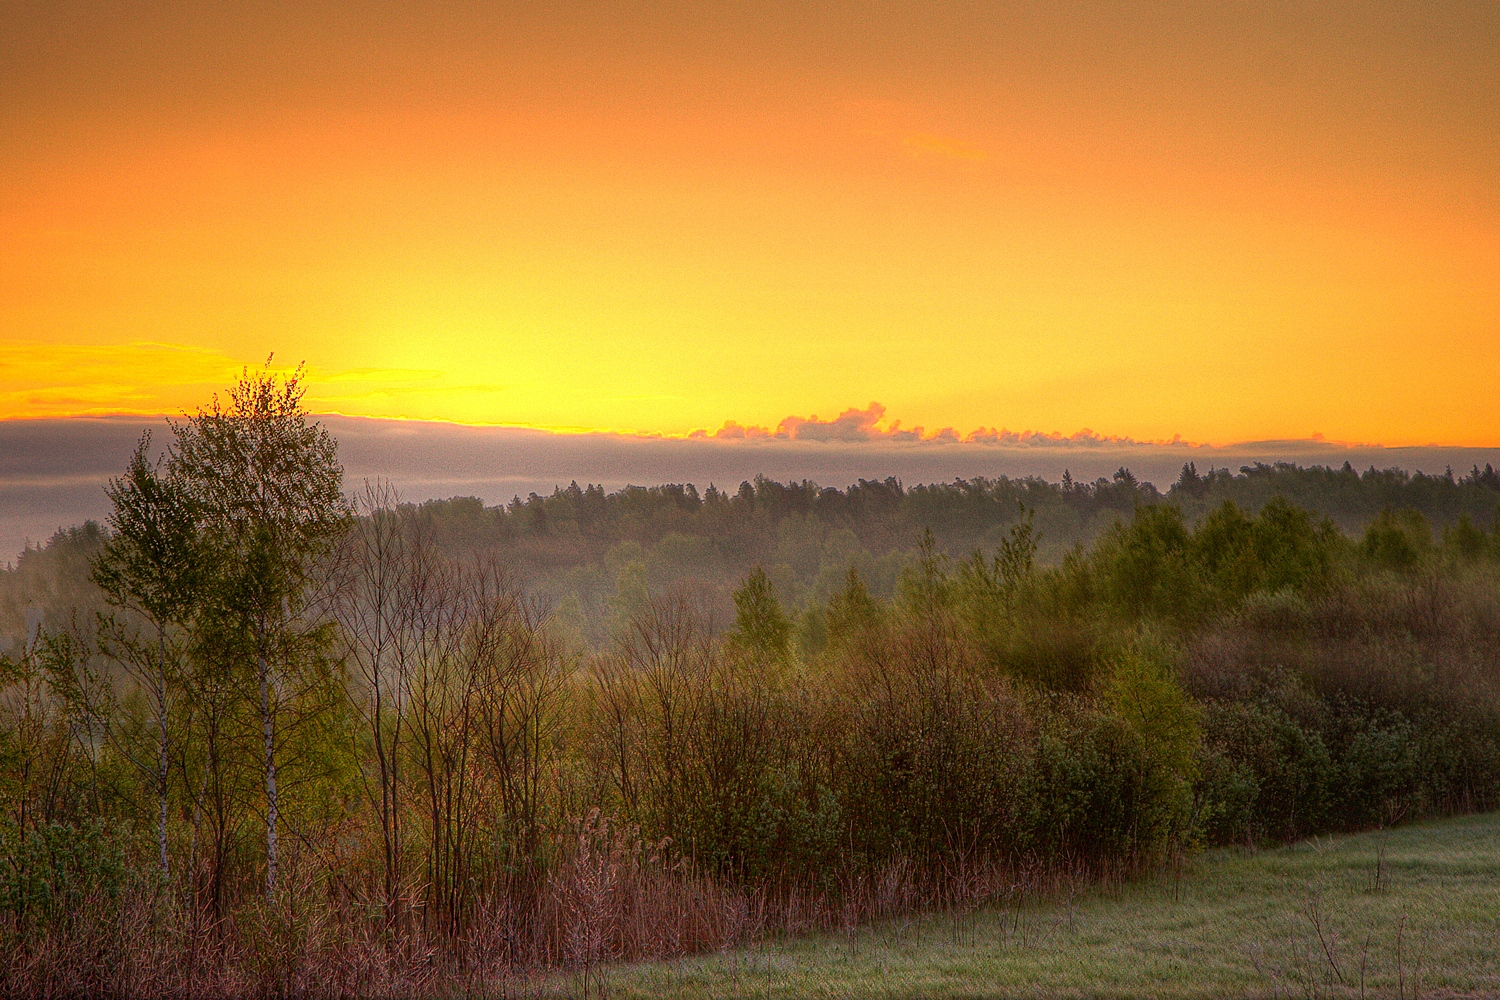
[(521, 681), (654, 695), (385, 581), (448, 638)]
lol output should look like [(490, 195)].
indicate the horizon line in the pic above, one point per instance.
[(789, 431)]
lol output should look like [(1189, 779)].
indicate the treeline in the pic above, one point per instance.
[(596, 557), (1349, 498), (579, 525), (306, 745), (595, 554)]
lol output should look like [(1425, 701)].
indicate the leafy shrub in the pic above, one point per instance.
[(1280, 549), (1466, 540), (1148, 566), (1397, 539), (929, 763), (49, 872), (793, 831), (1142, 690), (1380, 759), (1259, 746)]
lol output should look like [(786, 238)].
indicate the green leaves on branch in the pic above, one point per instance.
[(761, 629)]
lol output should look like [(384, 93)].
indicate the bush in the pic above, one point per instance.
[(1260, 748), (49, 872), (934, 755), (1148, 567), (1380, 758), (1142, 690), (1397, 540), (1089, 788)]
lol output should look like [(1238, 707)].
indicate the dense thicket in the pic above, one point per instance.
[(277, 748)]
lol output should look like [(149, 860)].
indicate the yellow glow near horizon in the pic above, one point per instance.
[(658, 222)]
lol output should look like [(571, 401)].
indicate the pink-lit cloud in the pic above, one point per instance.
[(869, 424)]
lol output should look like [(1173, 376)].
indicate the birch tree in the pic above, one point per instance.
[(150, 570), (270, 486)]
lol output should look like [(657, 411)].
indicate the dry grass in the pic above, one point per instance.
[(611, 902), (1409, 912)]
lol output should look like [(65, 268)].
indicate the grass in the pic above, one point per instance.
[(1412, 911)]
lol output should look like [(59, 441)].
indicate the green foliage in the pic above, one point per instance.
[(933, 757), (761, 628), (811, 632), (1265, 775), (1143, 690), (795, 831), (1397, 540), (1381, 756), (1147, 565), (1467, 541), (851, 613), (1155, 566), (926, 588), (53, 873), (1279, 549), (1092, 790), (154, 558), (987, 591)]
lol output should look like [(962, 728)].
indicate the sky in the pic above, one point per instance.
[(1213, 222)]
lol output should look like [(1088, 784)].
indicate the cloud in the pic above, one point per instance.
[(869, 425), (852, 425), (1085, 438)]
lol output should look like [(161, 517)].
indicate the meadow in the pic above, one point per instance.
[(1401, 912)]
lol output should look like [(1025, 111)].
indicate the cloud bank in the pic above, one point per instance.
[(869, 425)]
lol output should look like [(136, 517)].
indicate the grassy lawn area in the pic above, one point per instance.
[(1409, 911)]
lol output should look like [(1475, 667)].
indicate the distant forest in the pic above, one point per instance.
[(596, 557)]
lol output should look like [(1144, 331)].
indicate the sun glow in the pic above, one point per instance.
[(562, 225)]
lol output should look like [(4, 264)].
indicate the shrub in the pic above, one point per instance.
[(1380, 759), (1142, 690), (49, 872), (1259, 746), (1148, 566), (1397, 540)]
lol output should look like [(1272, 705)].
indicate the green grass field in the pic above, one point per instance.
[(1413, 911)]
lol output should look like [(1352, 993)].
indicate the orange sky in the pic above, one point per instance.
[(1227, 222)]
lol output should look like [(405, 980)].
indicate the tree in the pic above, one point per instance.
[(383, 597), (852, 612), (269, 484), (761, 628), (150, 567), (1397, 539)]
